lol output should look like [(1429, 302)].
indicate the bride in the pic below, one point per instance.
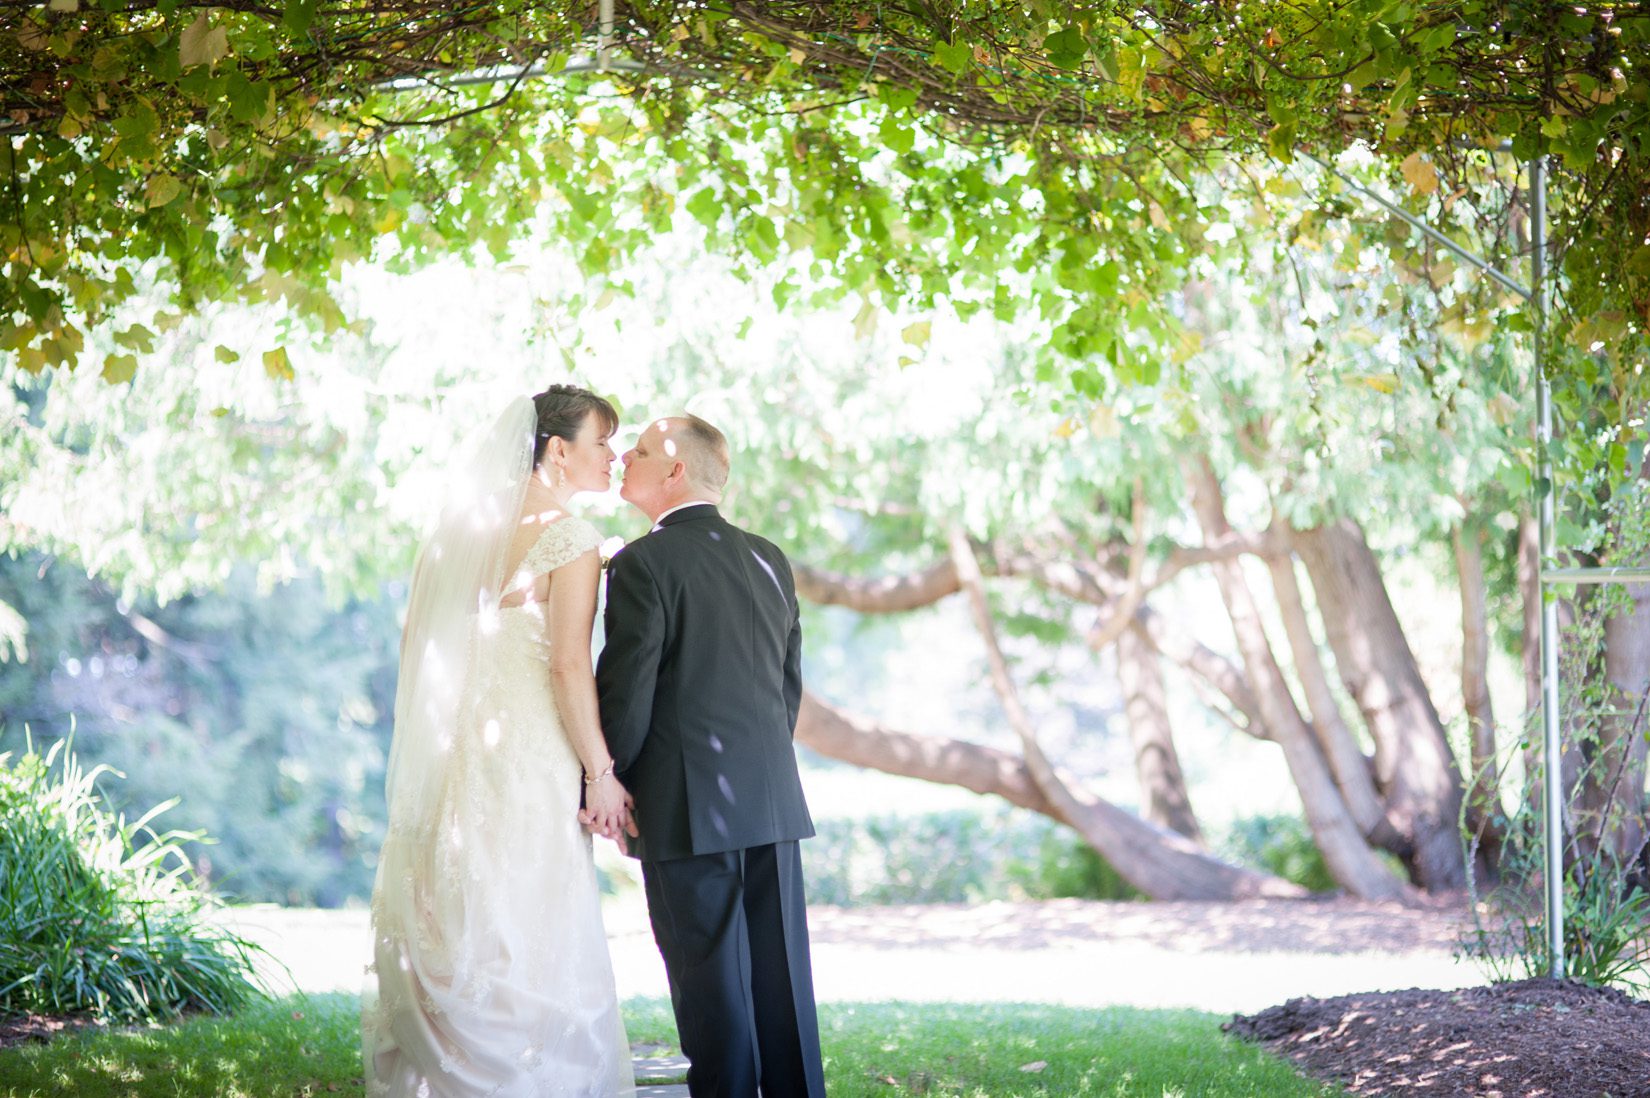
[(492, 970)]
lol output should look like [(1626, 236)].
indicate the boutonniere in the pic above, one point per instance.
[(609, 549)]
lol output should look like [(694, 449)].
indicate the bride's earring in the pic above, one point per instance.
[(561, 477)]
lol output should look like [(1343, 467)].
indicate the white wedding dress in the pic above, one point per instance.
[(493, 974)]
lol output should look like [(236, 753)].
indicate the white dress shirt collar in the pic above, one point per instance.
[(680, 507)]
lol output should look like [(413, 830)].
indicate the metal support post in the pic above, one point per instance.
[(1552, 750)]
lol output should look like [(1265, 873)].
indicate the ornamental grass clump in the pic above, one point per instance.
[(100, 917)]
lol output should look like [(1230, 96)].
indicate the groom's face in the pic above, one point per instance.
[(651, 469)]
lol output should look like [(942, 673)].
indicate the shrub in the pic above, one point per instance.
[(1606, 907), (98, 916), (1605, 854), (1066, 866), (1282, 845)]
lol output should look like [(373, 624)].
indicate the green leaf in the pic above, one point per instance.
[(897, 134), (277, 365), (1066, 48), (917, 334), (953, 56), (299, 15), (161, 190), (225, 355), (136, 338), (1280, 141), (202, 43), (1362, 76), (897, 96), (251, 102), (118, 369), (1131, 74), (1106, 61), (137, 122), (705, 207), (1439, 37)]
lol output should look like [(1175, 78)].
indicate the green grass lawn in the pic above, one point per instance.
[(305, 1046)]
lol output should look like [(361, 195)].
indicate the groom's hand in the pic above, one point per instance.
[(626, 828), (607, 811)]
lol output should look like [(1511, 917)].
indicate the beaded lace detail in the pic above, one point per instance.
[(561, 542)]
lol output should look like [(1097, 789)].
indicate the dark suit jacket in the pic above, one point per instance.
[(700, 683)]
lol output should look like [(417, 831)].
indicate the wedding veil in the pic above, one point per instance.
[(452, 604)]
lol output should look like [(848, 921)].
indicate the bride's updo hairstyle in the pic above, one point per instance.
[(562, 410)]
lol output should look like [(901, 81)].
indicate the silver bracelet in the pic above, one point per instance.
[(588, 780)]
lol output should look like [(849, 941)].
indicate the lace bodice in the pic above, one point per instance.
[(559, 543)]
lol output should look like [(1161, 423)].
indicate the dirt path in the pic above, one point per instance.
[(1219, 957)]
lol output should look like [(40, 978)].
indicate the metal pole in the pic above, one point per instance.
[(1426, 230), (1610, 574), (1552, 751), (604, 40)]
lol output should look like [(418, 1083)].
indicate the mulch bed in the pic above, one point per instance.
[(1530, 1039), (21, 1029)]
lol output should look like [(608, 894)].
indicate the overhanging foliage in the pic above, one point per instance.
[(906, 153)]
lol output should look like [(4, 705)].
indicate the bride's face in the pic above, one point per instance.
[(588, 459)]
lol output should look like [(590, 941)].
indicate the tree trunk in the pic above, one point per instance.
[(1207, 665), (1613, 797), (837, 735), (1162, 864), (1346, 759), (1615, 792), (1529, 587), (1414, 769), (1475, 661), (1158, 862), (1338, 836), (1484, 788), (1529, 590), (1163, 797)]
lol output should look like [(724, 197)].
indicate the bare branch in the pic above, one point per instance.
[(839, 735), (882, 595)]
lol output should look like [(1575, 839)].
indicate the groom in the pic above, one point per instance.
[(700, 681)]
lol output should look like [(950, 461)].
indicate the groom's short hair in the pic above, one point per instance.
[(707, 453)]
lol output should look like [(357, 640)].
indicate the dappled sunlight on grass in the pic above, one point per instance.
[(272, 1048), (310, 1045), (1018, 1049)]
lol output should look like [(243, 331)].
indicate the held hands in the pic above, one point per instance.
[(608, 809)]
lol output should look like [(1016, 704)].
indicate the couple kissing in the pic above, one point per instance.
[(491, 973)]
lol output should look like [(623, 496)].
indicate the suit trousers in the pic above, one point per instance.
[(733, 930)]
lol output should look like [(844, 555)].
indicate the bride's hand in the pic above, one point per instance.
[(606, 812)]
